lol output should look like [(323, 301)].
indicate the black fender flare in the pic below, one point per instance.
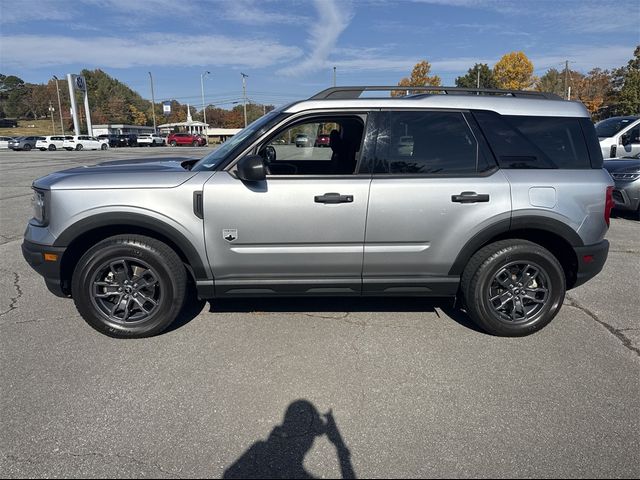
[(503, 227), (135, 220)]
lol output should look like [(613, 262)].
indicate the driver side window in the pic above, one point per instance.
[(316, 146)]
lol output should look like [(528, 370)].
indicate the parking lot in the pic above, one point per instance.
[(242, 386)]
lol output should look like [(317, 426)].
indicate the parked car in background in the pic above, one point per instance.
[(626, 175), (619, 136), (52, 142), (84, 142), (303, 140), (175, 139), (150, 140), (322, 140), (8, 122), (23, 143), (127, 140), (111, 139), (4, 142)]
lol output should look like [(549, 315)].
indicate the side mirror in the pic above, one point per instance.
[(625, 139), (251, 169)]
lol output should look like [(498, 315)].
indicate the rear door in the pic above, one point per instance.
[(434, 187)]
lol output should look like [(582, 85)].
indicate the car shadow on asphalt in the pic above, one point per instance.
[(282, 454), (194, 307)]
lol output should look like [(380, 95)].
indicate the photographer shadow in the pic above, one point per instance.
[(282, 454)]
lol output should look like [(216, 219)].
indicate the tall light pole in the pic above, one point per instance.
[(59, 105), (204, 109), (51, 110), (334, 76), (244, 96), (153, 105)]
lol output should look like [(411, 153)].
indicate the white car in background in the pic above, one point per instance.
[(4, 142), (619, 136), (52, 142), (85, 142), (150, 139)]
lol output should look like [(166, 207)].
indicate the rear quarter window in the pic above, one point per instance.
[(537, 142)]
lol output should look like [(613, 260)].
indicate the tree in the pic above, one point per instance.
[(419, 78), (514, 71), (552, 82), (626, 86), (470, 80)]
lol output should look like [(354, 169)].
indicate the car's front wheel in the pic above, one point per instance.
[(513, 287), (173, 143), (79, 147), (103, 147), (52, 147), (129, 286), (27, 147)]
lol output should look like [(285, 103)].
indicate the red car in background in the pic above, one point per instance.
[(322, 140), (175, 139)]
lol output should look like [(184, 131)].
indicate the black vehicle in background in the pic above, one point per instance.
[(114, 140), (127, 140)]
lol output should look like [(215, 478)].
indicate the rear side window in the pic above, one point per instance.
[(428, 143), (535, 142)]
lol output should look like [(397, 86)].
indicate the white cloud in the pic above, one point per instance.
[(323, 35), (249, 12), (28, 51)]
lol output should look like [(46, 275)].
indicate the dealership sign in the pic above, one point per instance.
[(166, 108)]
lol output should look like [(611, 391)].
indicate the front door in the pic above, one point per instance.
[(300, 231)]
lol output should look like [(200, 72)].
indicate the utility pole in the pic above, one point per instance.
[(59, 104), (478, 80), (566, 79), (334, 76), (153, 105), (53, 125), (244, 96), (204, 109)]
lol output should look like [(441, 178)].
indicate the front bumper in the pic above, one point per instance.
[(591, 260), (626, 195), (51, 270)]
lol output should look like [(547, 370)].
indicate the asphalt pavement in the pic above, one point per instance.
[(323, 387)]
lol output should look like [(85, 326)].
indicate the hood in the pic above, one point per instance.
[(616, 164), (136, 173)]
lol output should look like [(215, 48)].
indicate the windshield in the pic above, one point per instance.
[(609, 127), (222, 152)]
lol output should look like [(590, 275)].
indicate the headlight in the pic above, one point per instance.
[(38, 204)]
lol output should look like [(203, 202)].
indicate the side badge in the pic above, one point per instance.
[(230, 234)]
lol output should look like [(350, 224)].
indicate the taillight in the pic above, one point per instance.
[(608, 206)]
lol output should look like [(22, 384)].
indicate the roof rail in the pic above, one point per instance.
[(343, 93)]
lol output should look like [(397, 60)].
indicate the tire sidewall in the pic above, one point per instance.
[(486, 274), (86, 270)]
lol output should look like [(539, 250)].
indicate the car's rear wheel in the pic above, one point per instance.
[(52, 147), (27, 147), (103, 147), (513, 287), (195, 143), (129, 286), (173, 143), (79, 146)]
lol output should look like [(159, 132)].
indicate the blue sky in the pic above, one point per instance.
[(289, 48)]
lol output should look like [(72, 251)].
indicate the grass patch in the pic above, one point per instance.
[(32, 127)]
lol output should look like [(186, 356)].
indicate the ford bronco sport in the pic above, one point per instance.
[(495, 197)]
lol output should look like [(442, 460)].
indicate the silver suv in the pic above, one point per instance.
[(497, 198)]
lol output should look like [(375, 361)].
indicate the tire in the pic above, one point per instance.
[(103, 147), (27, 147), (108, 291), (52, 148), (42, 149), (195, 143), (173, 143), (497, 299), (79, 147)]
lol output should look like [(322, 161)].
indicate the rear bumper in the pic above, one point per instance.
[(33, 253), (591, 260)]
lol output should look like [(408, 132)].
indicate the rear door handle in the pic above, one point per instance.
[(470, 197), (333, 198)]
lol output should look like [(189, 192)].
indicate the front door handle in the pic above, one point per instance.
[(470, 197), (333, 198)]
